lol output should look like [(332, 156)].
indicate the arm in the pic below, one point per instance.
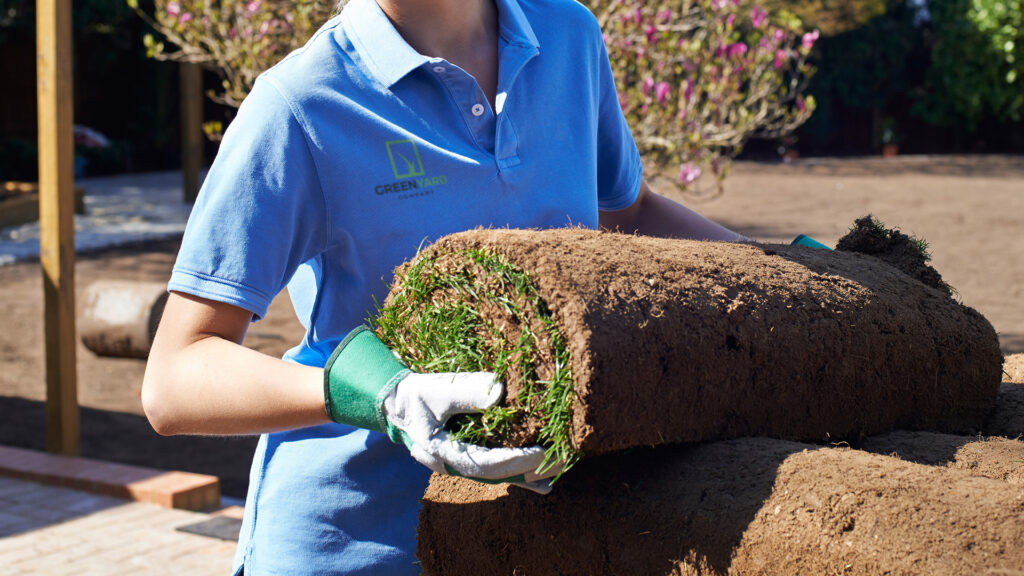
[(655, 215), (201, 380)]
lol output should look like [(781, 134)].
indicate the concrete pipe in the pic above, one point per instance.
[(119, 318)]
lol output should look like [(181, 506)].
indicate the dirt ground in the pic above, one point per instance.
[(970, 209)]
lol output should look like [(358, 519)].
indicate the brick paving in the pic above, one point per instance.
[(49, 530)]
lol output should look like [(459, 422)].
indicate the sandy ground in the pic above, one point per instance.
[(970, 209)]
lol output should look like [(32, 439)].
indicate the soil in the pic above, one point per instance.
[(995, 457), (1007, 419), (112, 424), (749, 506), (1013, 368), (969, 208), (747, 340)]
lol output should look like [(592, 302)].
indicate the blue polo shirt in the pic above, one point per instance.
[(346, 157)]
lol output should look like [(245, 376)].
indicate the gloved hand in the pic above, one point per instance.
[(366, 386)]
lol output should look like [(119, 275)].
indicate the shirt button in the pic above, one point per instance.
[(477, 109), (439, 69)]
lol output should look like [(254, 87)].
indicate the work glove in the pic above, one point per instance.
[(365, 385), (805, 240)]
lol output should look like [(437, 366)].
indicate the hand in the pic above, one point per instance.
[(366, 386), (420, 405)]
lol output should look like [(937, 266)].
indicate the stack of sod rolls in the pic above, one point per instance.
[(609, 341), (746, 506)]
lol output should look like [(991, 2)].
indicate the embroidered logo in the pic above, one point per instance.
[(405, 158), (411, 180)]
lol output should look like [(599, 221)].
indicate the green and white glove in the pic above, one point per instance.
[(366, 386)]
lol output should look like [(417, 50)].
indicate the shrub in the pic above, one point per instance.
[(698, 78), (237, 40), (977, 69)]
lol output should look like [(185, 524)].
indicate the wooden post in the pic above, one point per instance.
[(191, 128), (56, 220)]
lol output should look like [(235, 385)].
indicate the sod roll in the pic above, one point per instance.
[(736, 507), (677, 341)]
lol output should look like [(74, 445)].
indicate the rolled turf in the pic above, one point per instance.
[(739, 507), (610, 341)]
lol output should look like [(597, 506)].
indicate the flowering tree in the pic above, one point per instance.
[(238, 40), (698, 78)]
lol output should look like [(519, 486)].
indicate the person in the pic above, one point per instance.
[(400, 121)]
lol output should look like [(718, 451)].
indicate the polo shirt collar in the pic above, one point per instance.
[(390, 58)]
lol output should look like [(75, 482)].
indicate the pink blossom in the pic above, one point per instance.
[(737, 49), (648, 85), (661, 92), (253, 6), (778, 35), (688, 173), (809, 39), (173, 8), (688, 92), (665, 15), (652, 34), (638, 16), (780, 58), (185, 17), (800, 105), (730, 20), (758, 17)]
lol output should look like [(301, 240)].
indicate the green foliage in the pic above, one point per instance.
[(977, 69), (433, 322)]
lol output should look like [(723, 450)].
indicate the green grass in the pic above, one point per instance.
[(432, 321)]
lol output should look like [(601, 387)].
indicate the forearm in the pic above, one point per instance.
[(213, 385), (656, 215), (666, 218)]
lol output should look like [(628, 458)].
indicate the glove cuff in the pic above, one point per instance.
[(805, 240), (359, 375)]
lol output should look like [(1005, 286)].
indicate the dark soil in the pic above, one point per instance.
[(750, 506), (1007, 418), (893, 247), (681, 341)]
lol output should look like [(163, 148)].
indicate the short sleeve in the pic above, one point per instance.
[(619, 171), (260, 213)]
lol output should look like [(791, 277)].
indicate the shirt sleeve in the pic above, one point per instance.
[(261, 212), (619, 171)]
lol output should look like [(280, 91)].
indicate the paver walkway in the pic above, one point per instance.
[(47, 530)]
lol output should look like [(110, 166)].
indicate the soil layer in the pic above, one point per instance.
[(749, 506), (680, 341), (997, 458)]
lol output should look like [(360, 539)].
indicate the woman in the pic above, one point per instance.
[(399, 121)]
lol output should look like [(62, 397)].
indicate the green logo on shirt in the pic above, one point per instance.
[(405, 158)]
